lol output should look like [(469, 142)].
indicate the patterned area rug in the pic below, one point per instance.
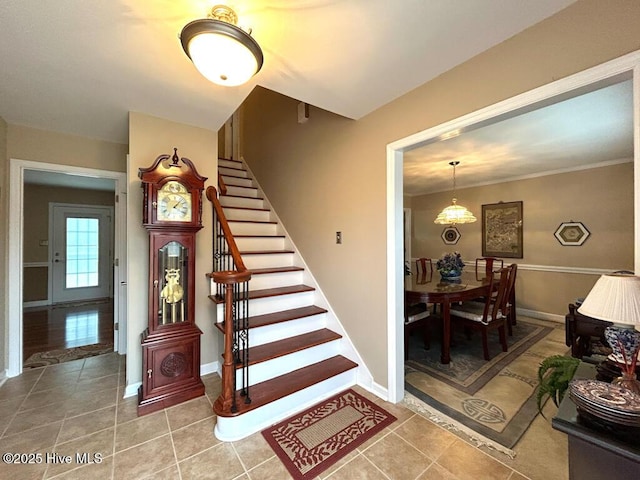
[(42, 359), (492, 402), (315, 439)]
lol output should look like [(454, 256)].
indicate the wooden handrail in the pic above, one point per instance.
[(234, 293), (212, 195)]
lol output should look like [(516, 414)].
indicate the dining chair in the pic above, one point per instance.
[(424, 266), (510, 307), (489, 264), (415, 318), (489, 315)]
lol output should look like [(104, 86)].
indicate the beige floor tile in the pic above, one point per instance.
[(469, 463), (270, 470), (38, 417), (171, 473), (98, 384), (8, 408), (194, 438), (189, 412), (436, 472), (134, 462), (359, 468), (216, 463), (32, 471), (127, 408), (426, 436), (396, 458), (85, 402), (99, 443), (39, 438), (99, 470), (141, 430), (81, 425), (253, 450), (46, 397), (57, 380), (517, 476)]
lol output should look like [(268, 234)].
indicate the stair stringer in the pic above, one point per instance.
[(332, 322)]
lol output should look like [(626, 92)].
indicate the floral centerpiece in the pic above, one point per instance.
[(450, 265)]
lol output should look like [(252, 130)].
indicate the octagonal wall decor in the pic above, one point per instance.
[(450, 235), (572, 234)]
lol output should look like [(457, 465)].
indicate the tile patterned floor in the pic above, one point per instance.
[(77, 408)]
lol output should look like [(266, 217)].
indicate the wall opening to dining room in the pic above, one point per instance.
[(626, 68)]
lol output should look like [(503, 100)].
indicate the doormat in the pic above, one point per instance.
[(310, 442), (492, 402), (52, 357)]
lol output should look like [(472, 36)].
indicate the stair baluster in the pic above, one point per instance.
[(232, 284)]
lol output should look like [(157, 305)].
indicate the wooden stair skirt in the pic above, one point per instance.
[(295, 361)]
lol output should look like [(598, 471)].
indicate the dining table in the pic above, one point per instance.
[(432, 289)]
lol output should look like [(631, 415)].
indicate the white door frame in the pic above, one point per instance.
[(627, 65), (14, 275)]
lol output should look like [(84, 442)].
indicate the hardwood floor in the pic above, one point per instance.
[(66, 326)]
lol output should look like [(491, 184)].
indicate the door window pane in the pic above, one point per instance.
[(82, 252)]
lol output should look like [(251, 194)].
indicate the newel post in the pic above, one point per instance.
[(225, 402)]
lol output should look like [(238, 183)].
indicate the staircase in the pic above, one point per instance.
[(298, 353)]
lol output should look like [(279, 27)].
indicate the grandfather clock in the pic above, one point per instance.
[(172, 214)]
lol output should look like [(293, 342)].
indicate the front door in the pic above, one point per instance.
[(81, 252)]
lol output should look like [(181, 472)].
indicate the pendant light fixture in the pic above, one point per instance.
[(454, 214), (221, 51)]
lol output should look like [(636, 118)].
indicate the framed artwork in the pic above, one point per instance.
[(450, 235), (572, 233), (502, 230)]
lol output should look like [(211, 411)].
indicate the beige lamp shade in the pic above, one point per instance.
[(454, 214), (615, 298)]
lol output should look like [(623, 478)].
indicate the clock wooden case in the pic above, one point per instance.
[(172, 214)]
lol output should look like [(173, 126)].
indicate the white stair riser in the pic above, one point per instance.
[(268, 260), (229, 429), (287, 363), (242, 214), (256, 244), (241, 191), (278, 331), (243, 202), (245, 228), (260, 306), (231, 168), (234, 179), (274, 280)]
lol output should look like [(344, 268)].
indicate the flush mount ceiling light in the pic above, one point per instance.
[(221, 51), (454, 214)]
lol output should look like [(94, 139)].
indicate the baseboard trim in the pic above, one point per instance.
[(553, 317)]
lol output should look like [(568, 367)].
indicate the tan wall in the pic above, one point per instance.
[(36, 229), (148, 138), (329, 174), (4, 227), (26, 143), (600, 198)]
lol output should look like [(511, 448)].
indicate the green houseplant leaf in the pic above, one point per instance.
[(554, 375)]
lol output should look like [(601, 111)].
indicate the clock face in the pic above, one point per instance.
[(174, 203)]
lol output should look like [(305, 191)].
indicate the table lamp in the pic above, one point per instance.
[(615, 298)]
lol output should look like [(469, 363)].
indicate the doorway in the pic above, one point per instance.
[(610, 72), (18, 170), (81, 252)]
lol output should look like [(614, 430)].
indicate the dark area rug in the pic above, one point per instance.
[(310, 442), (493, 402), (52, 357)]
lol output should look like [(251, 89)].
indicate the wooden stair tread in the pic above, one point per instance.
[(270, 292), (229, 207), (264, 252), (280, 348), (267, 222), (262, 271), (276, 388), (284, 316)]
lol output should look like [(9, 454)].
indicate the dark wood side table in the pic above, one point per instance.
[(594, 453)]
